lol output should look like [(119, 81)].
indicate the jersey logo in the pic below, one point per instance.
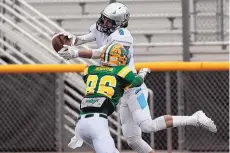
[(92, 102), (121, 32), (139, 89)]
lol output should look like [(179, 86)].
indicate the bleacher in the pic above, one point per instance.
[(156, 25)]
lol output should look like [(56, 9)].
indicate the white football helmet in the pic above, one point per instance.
[(114, 16)]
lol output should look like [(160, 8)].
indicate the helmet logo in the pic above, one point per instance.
[(114, 12)]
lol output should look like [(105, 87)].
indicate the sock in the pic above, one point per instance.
[(184, 120)]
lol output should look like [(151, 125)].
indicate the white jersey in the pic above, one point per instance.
[(122, 36)]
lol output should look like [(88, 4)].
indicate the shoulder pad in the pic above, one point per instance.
[(122, 35)]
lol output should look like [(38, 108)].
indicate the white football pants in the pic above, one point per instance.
[(95, 131), (130, 129)]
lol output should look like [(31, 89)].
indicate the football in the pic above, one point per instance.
[(59, 40)]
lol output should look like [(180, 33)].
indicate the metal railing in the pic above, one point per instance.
[(134, 16), (18, 16), (93, 1), (41, 26)]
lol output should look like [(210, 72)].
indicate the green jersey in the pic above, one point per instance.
[(109, 82)]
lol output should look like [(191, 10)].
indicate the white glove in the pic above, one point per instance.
[(68, 52), (70, 36), (143, 72)]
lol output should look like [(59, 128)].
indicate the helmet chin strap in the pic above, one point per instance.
[(110, 32)]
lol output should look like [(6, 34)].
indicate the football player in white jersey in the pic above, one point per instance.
[(135, 116)]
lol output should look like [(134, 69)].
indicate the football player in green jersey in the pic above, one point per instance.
[(105, 85)]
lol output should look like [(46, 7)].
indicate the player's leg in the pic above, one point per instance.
[(138, 99), (131, 130), (75, 141), (138, 106), (95, 131), (83, 130), (197, 119), (102, 140), (104, 143)]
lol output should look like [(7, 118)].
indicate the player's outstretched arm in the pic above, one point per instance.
[(69, 52), (79, 40), (138, 79)]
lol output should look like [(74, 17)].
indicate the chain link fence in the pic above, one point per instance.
[(207, 91), (210, 20), (29, 111)]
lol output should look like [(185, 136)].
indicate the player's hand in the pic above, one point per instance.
[(70, 36), (143, 72), (68, 52)]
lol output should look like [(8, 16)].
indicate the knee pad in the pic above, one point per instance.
[(138, 144), (149, 125)]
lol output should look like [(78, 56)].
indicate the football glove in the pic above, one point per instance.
[(143, 72), (70, 36), (68, 52)]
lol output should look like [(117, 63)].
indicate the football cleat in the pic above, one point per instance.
[(204, 121)]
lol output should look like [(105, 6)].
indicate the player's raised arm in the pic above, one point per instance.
[(79, 40), (69, 52), (136, 80)]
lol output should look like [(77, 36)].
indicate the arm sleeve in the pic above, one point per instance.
[(133, 80), (87, 37), (84, 39), (96, 53), (138, 81), (129, 78)]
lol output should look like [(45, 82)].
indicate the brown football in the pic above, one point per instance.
[(58, 41)]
